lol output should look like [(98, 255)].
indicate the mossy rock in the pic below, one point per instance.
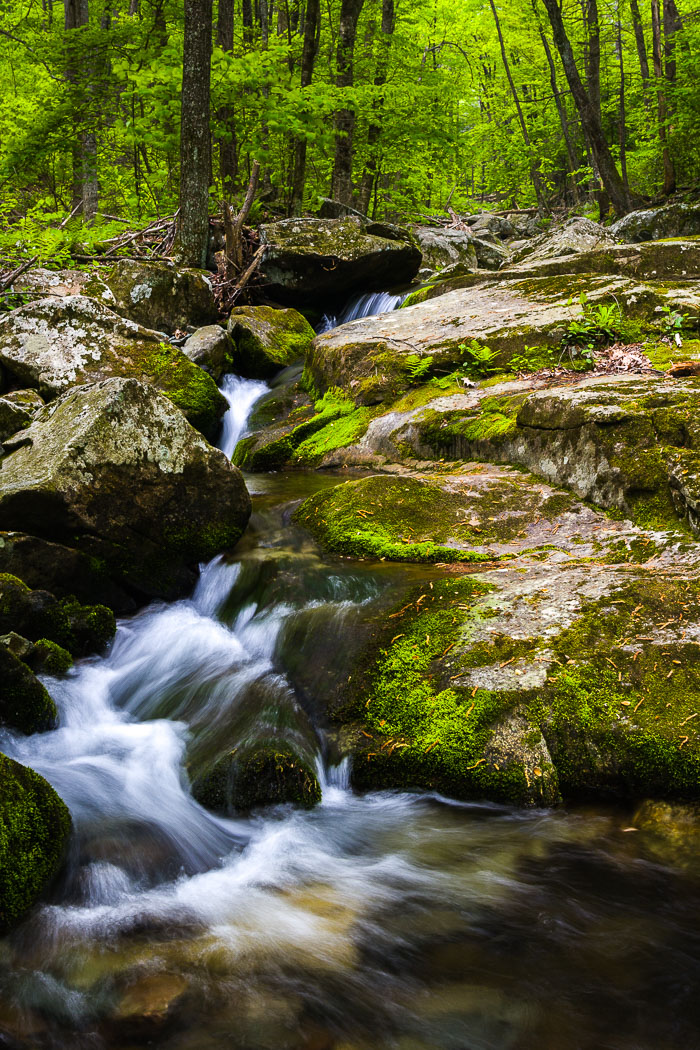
[(400, 519), (265, 340), (262, 775), (65, 623), (48, 657), (34, 829), (24, 702), (161, 295)]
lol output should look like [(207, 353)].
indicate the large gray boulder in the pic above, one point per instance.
[(56, 343), (651, 224), (573, 236), (117, 471), (443, 248), (210, 347), (161, 295), (313, 260)]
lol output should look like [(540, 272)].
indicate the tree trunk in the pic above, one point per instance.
[(195, 142), (534, 174), (561, 109), (84, 148), (589, 115), (639, 40), (622, 112), (228, 151), (345, 118), (308, 59), (662, 112), (369, 175)]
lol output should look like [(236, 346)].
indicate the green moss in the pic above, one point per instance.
[(267, 339), (264, 775), (398, 519), (24, 702), (34, 829), (190, 388), (81, 629), (49, 658)]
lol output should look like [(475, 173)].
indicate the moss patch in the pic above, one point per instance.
[(81, 629), (34, 829), (24, 702), (267, 339), (266, 775), (189, 387)]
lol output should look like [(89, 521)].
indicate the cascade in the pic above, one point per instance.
[(367, 305)]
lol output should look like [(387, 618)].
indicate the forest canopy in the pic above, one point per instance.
[(398, 109)]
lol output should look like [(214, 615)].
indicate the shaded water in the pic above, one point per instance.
[(366, 305), (390, 920)]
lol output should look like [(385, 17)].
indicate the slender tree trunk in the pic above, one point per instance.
[(534, 174), (589, 115), (662, 112), (195, 141), (308, 59), (622, 112), (561, 108), (369, 175), (640, 42), (84, 149), (345, 118), (228, 150)]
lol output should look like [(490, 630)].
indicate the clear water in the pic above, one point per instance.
[(385, 921)]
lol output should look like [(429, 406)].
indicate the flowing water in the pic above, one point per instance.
[(384, 921), (367, 305)]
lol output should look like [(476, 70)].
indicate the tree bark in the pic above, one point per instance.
[(561, 109), (228, 151), (639, 40), (345, 118), (308, 59), (84, 147), (661, 107), (195, 141), (534, 174), (369, 175), (590, 116)]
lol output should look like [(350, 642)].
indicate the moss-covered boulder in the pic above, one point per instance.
[(47, 657), (571, 237), (24, 702), (314, 260), (262, 775), (491, 254), (62, 570), (266, 340), (17, 410), (210, 348), (55, 344), (41, 284), (34, 830), (162, 295), (38, 614), (115, 470)]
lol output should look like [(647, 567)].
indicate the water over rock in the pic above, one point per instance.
[(35, 827), (54, 344), (117, 471), (316, 260)]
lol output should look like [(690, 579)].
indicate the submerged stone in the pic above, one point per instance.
[(34, 829), (115, 469)]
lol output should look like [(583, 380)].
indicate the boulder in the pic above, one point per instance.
[(54, 344), (262, 775), (310, 261), (651, 224), (650, 260), (266, 340), (490, 254), (441, 248), (43, 284), (488, 223), (34, 830), (38, 614), (161, 295), (62, 570), (117, 471), (573, 236), (210, 348), (17, 409), (24, 702)]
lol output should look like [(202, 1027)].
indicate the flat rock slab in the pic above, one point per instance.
[(377, 358)]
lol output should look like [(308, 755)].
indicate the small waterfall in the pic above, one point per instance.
[(368, 305), (241, 395)]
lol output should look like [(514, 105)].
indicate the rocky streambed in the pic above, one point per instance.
[(468, 594)]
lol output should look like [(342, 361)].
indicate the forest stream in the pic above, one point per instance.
[(386, 920)]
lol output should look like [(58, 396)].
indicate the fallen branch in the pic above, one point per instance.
[(6, 282)]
